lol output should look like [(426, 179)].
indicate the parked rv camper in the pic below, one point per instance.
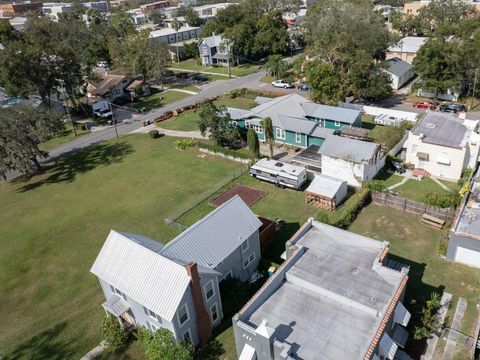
[(279, 173)]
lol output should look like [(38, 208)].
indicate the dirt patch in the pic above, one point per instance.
[(248, 194)]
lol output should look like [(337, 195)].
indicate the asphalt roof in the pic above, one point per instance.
[(348, 149), (398, 67), (442, 129), (333, 298), (210, 240)]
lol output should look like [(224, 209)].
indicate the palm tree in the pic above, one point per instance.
[(176, 25)]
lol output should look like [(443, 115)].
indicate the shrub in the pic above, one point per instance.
[(250, 93), (162, 345), (224, 151), (116, 336), (375, 185), (350, 213), (442, 201), (153, 134), (182, 144), (253, 144)]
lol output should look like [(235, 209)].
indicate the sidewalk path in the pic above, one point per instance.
[(97, 350), (404, 180), (442, 185), (199, 71), (183, 91), (173, 133), (456, 325)]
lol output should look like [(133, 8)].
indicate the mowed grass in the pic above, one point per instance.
[(191, 64), (417, 189), (188, 120), (159, 99), (53, 226), (63, 137), (416, 244), (388, 178)]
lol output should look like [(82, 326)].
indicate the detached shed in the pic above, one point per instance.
[(326, 192)]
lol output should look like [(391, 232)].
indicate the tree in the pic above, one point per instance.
[(217, 122), (253, 144), (176, 25), (268, 133), (7, 31), (326, 85), (22, 130), (156, 16), (161, 345), (190, 15), (429, 321), (272, 35), (191, 49), (276, 67), (116, 336), (120, 25)]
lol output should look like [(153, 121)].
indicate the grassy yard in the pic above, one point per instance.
[(186, 87), (378, 133), (54, 224), (416, 244), (417, 189), (388, 178), (159, 99), (191, 64), (62, 138), (188, 120)]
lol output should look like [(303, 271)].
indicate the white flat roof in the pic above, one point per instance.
[(170, 31), (279, 166), (325, 185)]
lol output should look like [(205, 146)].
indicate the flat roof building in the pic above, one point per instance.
[(337, 295)]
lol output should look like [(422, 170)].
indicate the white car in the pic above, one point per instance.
[(282, 84), (104, 113)]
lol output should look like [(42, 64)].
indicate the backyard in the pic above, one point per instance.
[(191, 64), (188, 120), (59, 221), (417, 245)]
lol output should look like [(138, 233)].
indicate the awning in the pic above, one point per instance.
[(401, 315), (387, 347), (422, 155), (445, 160), (116, 305), (248, 353), (400, 335)]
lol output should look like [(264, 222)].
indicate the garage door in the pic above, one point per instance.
[(467, 256)]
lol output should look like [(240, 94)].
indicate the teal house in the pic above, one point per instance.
[(296, 121)]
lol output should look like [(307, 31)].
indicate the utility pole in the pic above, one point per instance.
[(228, 59), (473, 90), (113, 119), (65, 105)]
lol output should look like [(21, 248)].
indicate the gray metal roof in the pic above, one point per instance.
[(309, 156), (288, 105), (133, 266), (294, 124), (398, 67), (344, 105), (349, 149), (236, 113), (325, 185), (333, 298), (210, 240), (322, 132), (212, 41), (409, 44), (331, 112), (442, 129)]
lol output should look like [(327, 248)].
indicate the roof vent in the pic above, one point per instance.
[(431, 126), (355, 272), (316, 257), (279, 164), (373, 299)]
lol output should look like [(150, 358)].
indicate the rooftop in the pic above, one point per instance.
[(409, 44), (349, 149), (467, 222), (444, 129), (334, 296), (325, 185), (170, 31), (398, 67)]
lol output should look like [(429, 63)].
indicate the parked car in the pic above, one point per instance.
[(104, 113), (200, 77), (452, 108), (305, 87), (424, 105), (282, 84)]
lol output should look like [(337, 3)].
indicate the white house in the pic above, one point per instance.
[(170, 36), (351, 160), (406, 49), (443, 145), (400, 72)]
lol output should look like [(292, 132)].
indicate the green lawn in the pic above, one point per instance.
[(62, 138), (159, 99), (417, 189), (191, 64), (452, 185), (416, 244), (388, 178), (188, 120), (186, 87), (54, 225)]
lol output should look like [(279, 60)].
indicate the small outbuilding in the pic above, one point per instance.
[(400, 72), (326, 192)]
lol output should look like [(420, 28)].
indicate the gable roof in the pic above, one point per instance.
[(106, 82), (210, 240), (212, 41), (348, 149), (130, 263), (331, 112), (325, 185), (398, 67)]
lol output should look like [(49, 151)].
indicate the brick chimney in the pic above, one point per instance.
[(204, 325)]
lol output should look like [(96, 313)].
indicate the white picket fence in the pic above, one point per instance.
[(399, 114)]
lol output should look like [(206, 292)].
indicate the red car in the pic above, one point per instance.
[(424, 105)]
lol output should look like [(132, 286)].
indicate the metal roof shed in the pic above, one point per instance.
[(326, 192)]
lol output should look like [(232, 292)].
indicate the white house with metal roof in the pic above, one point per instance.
[(400, 72), (326, 192), (443, 144), (296, 120), (337, 296), (406, 49), (176, 286)]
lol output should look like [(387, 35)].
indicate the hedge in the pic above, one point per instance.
[(250, 93), (224, 151), (350, 213)]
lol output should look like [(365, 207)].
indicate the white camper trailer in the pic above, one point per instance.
[(279, 173)]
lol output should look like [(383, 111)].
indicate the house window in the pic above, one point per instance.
[(187, 337), (182, 314), (208, 288), (152, 326), (234, 123), (152, 315), (214, 312), (337, 123), (118, 292), (280, 133), (249, 260), (252, 257), (227, 276), (258, 129), (298, 137), (245, 246)]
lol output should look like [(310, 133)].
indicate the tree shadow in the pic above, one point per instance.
[(277, 247), (46, 345), (213, 350), (67, 167)]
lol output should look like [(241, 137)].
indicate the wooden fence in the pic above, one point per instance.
[(410, 206)]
